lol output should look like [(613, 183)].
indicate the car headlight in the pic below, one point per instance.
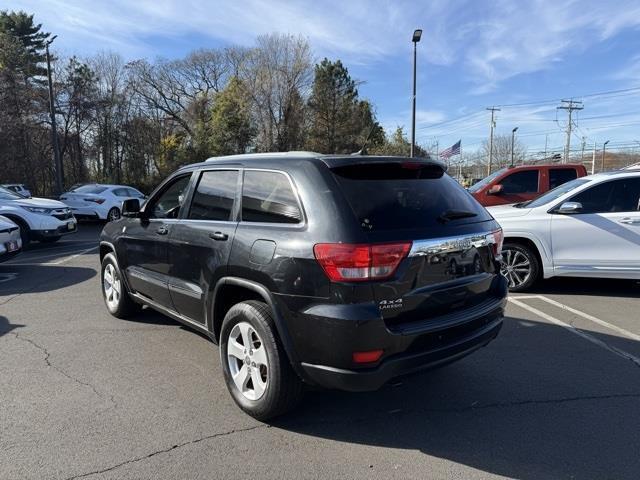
[(41, 210)]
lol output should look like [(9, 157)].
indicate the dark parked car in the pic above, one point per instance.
[(332, 271)]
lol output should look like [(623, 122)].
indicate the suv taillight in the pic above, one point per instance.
[(498, 238), (344, 262)]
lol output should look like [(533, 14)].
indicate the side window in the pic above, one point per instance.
[(558, 176), (268, 197), (168, 203), (621, 195), (213, 198), (520, 182), (132, 192), (121, 192), (616, 196)]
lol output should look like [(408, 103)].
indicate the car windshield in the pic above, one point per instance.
[(89, 189), (486, 181), (552, 195), (6, 194)]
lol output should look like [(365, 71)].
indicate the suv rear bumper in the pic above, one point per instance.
[(402, 364)]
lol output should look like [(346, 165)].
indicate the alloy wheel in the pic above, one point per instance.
[(247, 361), (114, 214), (516, 267), (112, 286)]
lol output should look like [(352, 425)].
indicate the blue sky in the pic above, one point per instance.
[(473, 54)]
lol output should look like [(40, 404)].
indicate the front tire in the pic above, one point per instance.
[(114, 292), (255, 366), (520, 266)]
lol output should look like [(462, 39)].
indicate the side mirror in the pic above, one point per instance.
[(495, 190), (567, 208), (131, 208)]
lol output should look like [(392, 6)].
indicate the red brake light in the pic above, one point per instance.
[(367, 357), (99, 201), (344, 262), (498, 238)]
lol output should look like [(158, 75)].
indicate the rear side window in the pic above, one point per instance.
[(392, 196), (520, 182), (213, 198), (269, 197), (121, 192), (558, 176)]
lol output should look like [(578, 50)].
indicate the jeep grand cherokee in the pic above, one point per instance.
[(333, 271)]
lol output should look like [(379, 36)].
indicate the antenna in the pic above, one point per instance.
[(364, 145)]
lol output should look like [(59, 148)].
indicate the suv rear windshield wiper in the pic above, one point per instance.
[(449, 215)]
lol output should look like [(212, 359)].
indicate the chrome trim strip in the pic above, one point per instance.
[(459, 243), (591, 268), (171, 313)]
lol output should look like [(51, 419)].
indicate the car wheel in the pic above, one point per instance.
[(255, 366), (49, 239), (520, 266), (113, 215), (114, 292)]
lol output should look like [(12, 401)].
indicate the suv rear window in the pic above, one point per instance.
[(390, 196), (558, 176)]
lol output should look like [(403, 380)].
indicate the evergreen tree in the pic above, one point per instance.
[(231, 129)]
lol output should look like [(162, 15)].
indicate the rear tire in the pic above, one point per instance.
[(113, 215), (248, 331), (520, 266), (114, 291)]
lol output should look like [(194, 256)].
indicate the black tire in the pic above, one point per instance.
[(50, 239), (512, 250), (125, 307), (114, 214), (284, 388)]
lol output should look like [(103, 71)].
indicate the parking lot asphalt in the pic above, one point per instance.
[(85, 395)]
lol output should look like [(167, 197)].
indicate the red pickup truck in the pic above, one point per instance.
[(523, 183)]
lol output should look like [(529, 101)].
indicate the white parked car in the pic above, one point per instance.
[(38, 218), (588, 227), (10, 241), (18, 188), (98, 201)]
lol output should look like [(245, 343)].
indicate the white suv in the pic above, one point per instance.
[(103, 202), (588, 227), (38, 218)]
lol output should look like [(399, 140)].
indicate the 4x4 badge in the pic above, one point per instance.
[(387, 304)]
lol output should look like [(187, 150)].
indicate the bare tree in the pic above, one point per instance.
[(277, 74), (502, 151)]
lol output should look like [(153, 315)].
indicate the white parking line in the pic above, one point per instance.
[(572, 329), (57, 262), (591, 318)]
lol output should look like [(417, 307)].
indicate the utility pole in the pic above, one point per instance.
[(546, 140), (415, 39), (584, 143), (54, 129), (493, 125), (593, 158), (604, 150), (570, 106)]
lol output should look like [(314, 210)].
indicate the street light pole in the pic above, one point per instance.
[(513, 141), (415, 39), (604, 149), (54, 131)]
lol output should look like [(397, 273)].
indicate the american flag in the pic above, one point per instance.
[(451, 151)]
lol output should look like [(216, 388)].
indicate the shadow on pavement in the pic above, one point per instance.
[(41, 278), (6, 326), (531, 406), (588, 286)]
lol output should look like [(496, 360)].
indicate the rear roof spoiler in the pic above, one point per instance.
[(344, 161)]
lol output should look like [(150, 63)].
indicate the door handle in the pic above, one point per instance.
[(219, 236), (163, 230), (630, 221)]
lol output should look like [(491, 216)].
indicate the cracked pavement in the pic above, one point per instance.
[(84, 395)]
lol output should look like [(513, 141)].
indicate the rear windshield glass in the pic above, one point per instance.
[(393, 196), (89, 189)]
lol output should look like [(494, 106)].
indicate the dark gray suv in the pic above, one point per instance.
[(333, 271)]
